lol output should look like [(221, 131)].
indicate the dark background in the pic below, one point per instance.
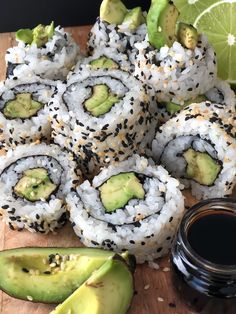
[(15, 14)]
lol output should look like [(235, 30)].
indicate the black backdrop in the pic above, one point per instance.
[(15, 14)]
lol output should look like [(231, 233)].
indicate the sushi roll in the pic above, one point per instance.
[(132, 205), (176, 73), (198, 147), (23, 110), (34, 181), (103, 116), (117, 27), (45, 51)]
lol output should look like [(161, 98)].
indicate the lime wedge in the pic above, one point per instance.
[(190, 9), (218, 22)]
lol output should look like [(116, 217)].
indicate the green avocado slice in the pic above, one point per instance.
[(103, 63), (117, 191), (23, 106), (172, 107), (161, 23), (108, 290), (201, 167), (113, 11), (38, 35), (134, 18), (101, 101), (35, 185), (50, 275)]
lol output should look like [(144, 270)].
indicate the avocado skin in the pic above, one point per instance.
[(112, 11), (201, 167), (161, 23), (48, 288), (187, 35), (108, 291)]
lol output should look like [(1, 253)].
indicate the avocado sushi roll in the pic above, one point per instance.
[(23, 110), (131, 205), (34, 181), (45, 51), (117, 27), (103, 116), (198, 147)]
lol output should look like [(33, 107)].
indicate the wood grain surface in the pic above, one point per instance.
[(154, 289)]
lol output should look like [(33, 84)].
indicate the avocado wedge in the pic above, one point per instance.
[(113, 11), (103, 63), (109, 290), (161, 23), (50, 275)]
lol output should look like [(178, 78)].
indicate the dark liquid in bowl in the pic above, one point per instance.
[(212, 236)]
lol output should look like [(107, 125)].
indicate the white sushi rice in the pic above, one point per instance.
[(52, 61), (206, 128), (128, 127), (16, 131), (176, 73), (43, 215), (144, 227), (119, 37)]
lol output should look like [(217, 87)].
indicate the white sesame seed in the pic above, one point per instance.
[(53, 265), (166, 269), (159, 299), (29, 298), (146, 287)]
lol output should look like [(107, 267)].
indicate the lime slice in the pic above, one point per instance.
[(218, 22), (190, 9)]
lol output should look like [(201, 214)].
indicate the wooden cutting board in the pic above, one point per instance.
[(154, 289)]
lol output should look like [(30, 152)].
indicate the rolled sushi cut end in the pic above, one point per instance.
[(102, 116), (141, 215), (197, 146), (34, 181), (23, 110)]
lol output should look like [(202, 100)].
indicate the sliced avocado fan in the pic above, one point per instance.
[(103, 63), (201, 167), (161, 23), (38, 35), (23, 106), (35, 185), (109, 290), (117, 191), (101, 100)]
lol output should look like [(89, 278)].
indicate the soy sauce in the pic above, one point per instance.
[(212, 236)]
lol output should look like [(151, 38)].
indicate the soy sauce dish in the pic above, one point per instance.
[(204, 256)]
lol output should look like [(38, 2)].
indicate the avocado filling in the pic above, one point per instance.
[(38, 35), (23, 106), (172, 107), (115, 12), (104, 63), (201, 167), (161, 23), (117, 191), (101, 101), (35, 185), (187, 35)]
